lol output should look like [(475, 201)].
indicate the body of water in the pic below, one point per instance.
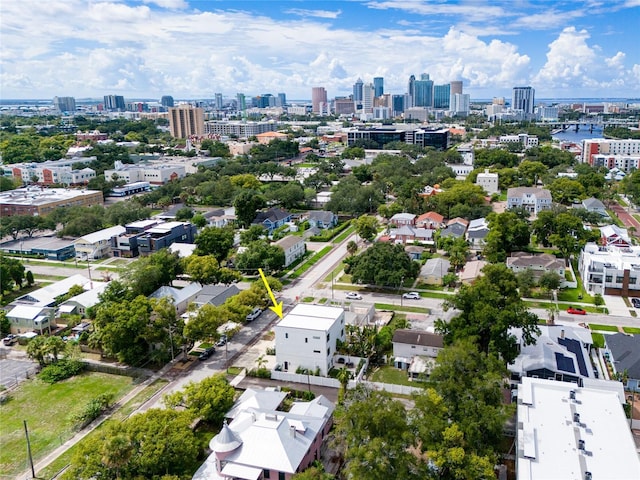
[(570, 135)]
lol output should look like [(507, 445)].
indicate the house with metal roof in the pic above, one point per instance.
[(322, 219), (416, 350), (262, 443), (434, 270), (294, 248), (624, 354), (272, 218), (215, 294), (97, 244), (180, 297), (594, 205)]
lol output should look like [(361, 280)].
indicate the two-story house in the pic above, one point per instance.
[(401, 219), (532, 199), (272, 218), (415, 350), (97, 244), (306, 337), (322, 219), (294, 248)]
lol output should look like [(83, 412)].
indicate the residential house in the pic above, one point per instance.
[(126, 244), (31, 318), (571, 432), (476, 232), (272, 218), (471, 271), (429, 191), (613, 235), (595, 206), (215, 294), (456, 228), (624, 354), (294, 248), (266, 443), (306, 337), (269, 399), (532, 199), (434, 270), (610, 270), (220, 217), (164, 234), (561, 352), (488, 181), (322, 219), (414, 251), (400, 219), (79, 304), (97, 244), (408, 233), (431, 220), (415, 350), (180, 297), (538, 263)]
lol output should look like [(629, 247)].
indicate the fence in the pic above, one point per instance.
[(10, 382), (116, 370), (392, 388), (305, 379)]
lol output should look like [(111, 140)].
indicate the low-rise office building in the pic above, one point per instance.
[(42, 201)]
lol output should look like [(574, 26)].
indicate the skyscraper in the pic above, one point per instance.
[(460, 104), (166, 101), (378, 86), (411, 90), (114, 102), (64, 104), (398, 104), (523, 99), (318, 100), (186, 120), (219, 101), (423, 91), (282, 100), (441, 94), (357, 91), (242, 103)]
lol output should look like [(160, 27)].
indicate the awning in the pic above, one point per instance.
[(241, 471)]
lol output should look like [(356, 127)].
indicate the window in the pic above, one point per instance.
[(286, 335), (306, 340), (316, 351), (281, 476), (328, 336), (608, 278), (618, 279), (632, 280), (266, 473)]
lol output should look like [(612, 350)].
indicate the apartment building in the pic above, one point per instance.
[(42, 201)]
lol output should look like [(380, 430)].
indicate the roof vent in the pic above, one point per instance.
[(587, 476), (572, 394), (576, 417), (581, 445)]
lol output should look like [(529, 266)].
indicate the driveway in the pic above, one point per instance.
[(616, 306)]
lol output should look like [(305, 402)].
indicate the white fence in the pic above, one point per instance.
[(305, 379), (391, 388)]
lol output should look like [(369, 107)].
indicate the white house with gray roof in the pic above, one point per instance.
[(532, 199)]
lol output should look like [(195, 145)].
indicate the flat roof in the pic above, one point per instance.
[(38, 196), (311, 317), (549, 436)]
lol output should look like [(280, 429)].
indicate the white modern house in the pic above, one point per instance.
[(610, 270), (97, 244), (488, 181), (306, 337), (570, 432)]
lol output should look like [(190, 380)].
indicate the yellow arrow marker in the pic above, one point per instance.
[(277, 307)]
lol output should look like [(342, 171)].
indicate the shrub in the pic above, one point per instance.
[(94, 409), (259, 373), (61, 370), (271, 350)]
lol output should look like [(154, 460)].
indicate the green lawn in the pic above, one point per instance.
[(310, 262), (598, 339), (348, 231), (49, 411), (63, 460), (391, 375), (631, 330), (572, 295), (334, 273), (308, 299), (603, 328)]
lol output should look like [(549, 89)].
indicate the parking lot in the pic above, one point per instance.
[(14, 371)]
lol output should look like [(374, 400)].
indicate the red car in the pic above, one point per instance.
[(576, 311)]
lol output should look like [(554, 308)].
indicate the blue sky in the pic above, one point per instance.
[(195, 48)]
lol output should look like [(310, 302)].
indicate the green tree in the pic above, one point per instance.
[(352, 247), (252, 234), (315, 472), (247, 203), (564, 190), (204, 325), (5, 324), (366, 227), (260, 254), (289, 195), (37, 350), (209, 399), (488, 309), (550, 281), (215, 241), (526, 281), (507, 233), (199, 220), (184, 214), (11, 273), (382, 264)]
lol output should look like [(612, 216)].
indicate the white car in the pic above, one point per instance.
[(411, 295), (255, 313), (353, 296)]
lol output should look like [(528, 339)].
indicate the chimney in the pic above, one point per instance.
[(292, 431)]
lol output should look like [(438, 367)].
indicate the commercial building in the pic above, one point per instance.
[(166, 101), (306, 337), (97, 244), (239, 129), (186, 121), (572, 433), (527, 141), (64, 104), (129, 189), (319, 100), (621, 154), (164, 234), (532, 199), (523, 99), (441, 96), (378, 86), (343, 106), (422, 94), (51, 174), (42, 201), (357, 91), (437, 138), (114, 103), (610, 270), (154, 174)]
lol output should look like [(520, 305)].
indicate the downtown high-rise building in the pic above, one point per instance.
[(368, 94), (319, 100), (114, 103), (423, 91), (219, 103), (166, 101), (282, 100), (241, 103), (523, 98), (64, 104), (441, 96), (357, 91), (378, 86), (185, 121)]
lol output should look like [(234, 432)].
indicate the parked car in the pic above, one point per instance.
[(206, 353), (635, 302), (353, 296), (255, 313), (222, 342), (411, 295), (576, 311), (10, 339)]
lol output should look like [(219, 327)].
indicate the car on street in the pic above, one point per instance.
[(206, 353), (222, 341), (635, 302), (576, 311), (353, 296), (255, 313), (411, 295)]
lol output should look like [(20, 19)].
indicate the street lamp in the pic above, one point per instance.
[(399, 287)]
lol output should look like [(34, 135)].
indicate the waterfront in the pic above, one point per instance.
[(570, 135)]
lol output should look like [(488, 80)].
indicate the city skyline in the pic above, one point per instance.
[(194, 49)]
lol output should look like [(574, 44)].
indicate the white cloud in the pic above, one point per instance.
[(168, 4), (314, 13), (617, 61), (569, 59)]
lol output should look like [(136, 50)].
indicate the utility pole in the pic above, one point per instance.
[(26, 433)]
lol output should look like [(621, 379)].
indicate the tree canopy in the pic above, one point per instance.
[(382, 264)]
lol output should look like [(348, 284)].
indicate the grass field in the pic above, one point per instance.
[(348, 231), (391, 375), (49, 411), (398, 308), (64, 459), (598, 339), (631, 330), (311, 262), (603, 328)]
